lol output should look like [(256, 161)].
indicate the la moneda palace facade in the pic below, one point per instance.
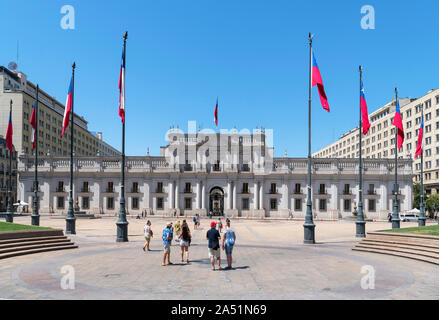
[(231, 173)]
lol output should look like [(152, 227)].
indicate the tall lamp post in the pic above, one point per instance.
[(421, 220), (360, 223), (309, 226), (70, 219), (122, 223), (9, 208), (35, 214), (395, 215)]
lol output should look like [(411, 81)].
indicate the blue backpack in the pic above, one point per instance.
[(230, 238)]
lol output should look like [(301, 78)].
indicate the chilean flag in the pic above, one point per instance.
[(364, 114), (9, 133), (317, 80), (122, 88), (33, 122), (397, 122), (68, 108), (419, 144), (215, 113)]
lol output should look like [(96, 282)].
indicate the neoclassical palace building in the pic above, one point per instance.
[(231, 173)]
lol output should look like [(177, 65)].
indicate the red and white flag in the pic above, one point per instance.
[(122, 88), (216, 113), (68, 108), (33, 122)]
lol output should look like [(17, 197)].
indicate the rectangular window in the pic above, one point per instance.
[(188, 203), (60, 186), (273, 188), (187, 187), (110, 187), (347, 205), (372, 207), (85, 203), (245, 204), (371, 189), (273, 204), (245, 188), (110, 203), (159, 203), (85, 186), (60, 203), (298, 204), (322, 204), (159, 187), (322, 189), (135, 187), (346, 189), (135, 203)]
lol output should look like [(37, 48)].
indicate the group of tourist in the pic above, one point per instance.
[(184, 238)]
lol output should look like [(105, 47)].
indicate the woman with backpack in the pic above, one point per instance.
[(185, 240), (229, 238)]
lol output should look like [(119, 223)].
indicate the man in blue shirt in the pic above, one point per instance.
[(167, 240), (214, 248)]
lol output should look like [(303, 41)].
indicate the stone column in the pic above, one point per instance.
[(198, 195), (229, 195), (154, 205), (203, 196), (234, 195), (171, 195), (176, 196), (286, 196), (261, 196), (256, 197)]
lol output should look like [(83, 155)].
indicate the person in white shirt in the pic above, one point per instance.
[(148, 235)]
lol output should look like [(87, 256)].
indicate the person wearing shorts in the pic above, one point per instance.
[(167, 240), (185, 240), (213, 237), (229, 238), (148, 235)]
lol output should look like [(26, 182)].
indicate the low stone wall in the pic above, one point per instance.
[(30, 234)]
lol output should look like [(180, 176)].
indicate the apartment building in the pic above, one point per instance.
[(15, 86), (380, 140)]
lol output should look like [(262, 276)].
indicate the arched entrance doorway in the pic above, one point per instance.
[(216, 201)]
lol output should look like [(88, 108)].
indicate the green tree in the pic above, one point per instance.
[(417, 195), (432, 203)]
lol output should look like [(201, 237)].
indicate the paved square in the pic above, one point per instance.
[(270, 262)]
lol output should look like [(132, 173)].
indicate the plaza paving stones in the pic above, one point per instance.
[(270, 262)]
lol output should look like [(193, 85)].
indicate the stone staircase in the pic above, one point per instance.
[(412, 246), (14, 244)]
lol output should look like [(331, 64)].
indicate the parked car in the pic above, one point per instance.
[(409, 217)]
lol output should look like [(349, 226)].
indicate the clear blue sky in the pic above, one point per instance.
[(253, 55)]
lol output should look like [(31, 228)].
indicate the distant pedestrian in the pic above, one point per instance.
[(167, 240), (195, 222), (389, 217), (148, 235), (185, 240), (213, 244), (198, 220), (229, 238), (219, 225)]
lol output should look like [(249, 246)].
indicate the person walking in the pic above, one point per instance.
[(148, 235), (195, 219), (167, 240), (198, 220), (229, 238), (220, 225), (185, 241), (213, 237), (177, 227)]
